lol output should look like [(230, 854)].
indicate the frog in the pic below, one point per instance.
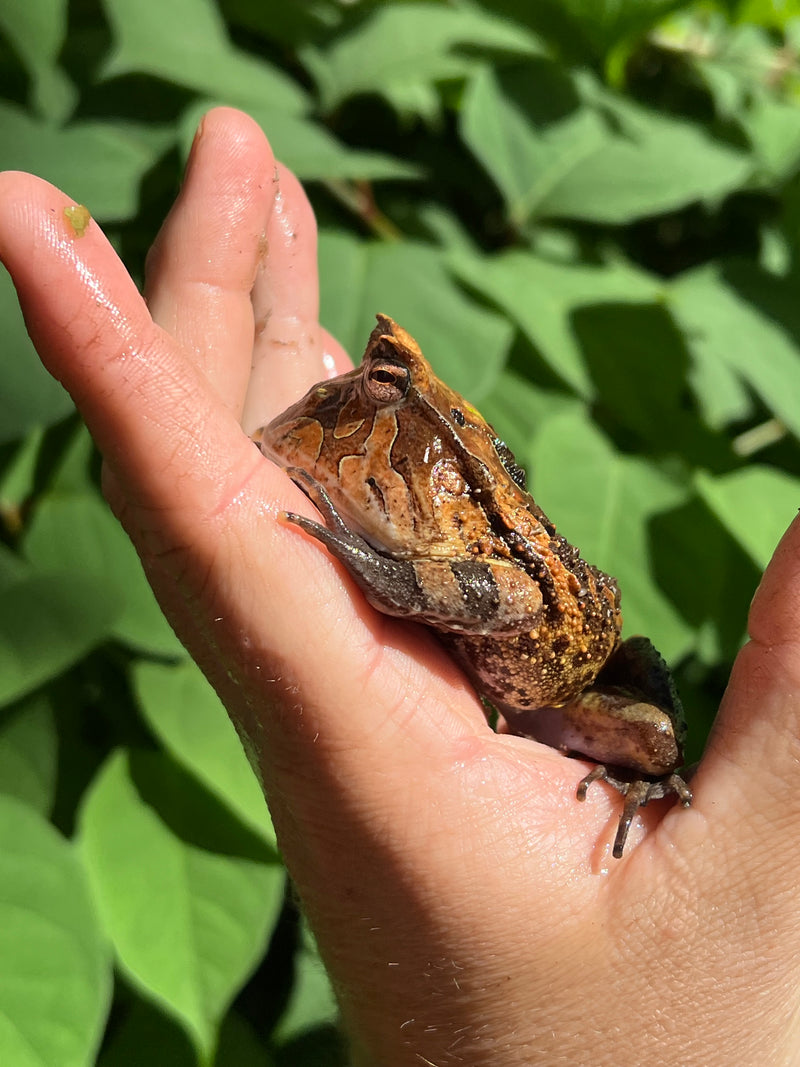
[(429, 511)]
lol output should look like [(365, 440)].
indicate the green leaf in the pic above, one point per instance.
[(400, 51), (553, 156), (768, 497), (605, 22), (188, 903), (529, 129), (47, 623), (28, 754), (541, 297), (55, 970), (31, 398), (37, 29), (96, 163), (312, 1004), (774, 130), (603, 502), (749, 321), (77, 530), (17, 477), (186, 715), (185, 42), (466, 343), (652, 164)]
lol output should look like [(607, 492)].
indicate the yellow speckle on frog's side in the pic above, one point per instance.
[(79, 218)]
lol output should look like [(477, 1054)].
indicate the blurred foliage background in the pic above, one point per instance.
[(588, 213)]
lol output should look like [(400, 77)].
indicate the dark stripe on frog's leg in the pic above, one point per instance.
[(389, 584), (478, 588)]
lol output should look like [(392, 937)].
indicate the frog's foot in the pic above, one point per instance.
[(637, 792)]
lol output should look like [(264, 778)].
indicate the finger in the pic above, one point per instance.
[(289, 354), (145, 404), (203, 264), (755, 745)]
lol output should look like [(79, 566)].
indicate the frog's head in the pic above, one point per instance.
[(408, 463)]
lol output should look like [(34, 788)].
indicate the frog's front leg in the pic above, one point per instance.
[(460, 595)]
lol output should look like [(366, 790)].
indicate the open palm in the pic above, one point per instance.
[(465, 903)]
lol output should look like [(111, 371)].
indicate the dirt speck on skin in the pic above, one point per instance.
[(78, 218)]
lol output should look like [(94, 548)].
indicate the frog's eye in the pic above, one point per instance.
[(387, 382)]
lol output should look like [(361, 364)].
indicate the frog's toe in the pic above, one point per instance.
[(637, 792)]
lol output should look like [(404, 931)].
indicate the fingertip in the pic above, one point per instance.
[(775, 611)]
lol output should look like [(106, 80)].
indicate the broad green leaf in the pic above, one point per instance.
[(465, 343), (768, 12), (541, 297), (606, 22), (17, 476), (774, 130), (55, 970), (307, 148), (31, 398), (768, 497), (400, 50), (749, 321), (77, 531), (558, 157), (602, 502), (655, 164), (28, 753), (96, 163), (186, 43), (186, 714), (529, 129), (47, 623), (289, 24), (37, 29), (187, 900)]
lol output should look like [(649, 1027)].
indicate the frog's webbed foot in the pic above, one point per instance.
[(637, 792)]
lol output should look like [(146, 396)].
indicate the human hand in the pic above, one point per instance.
[(466, 905)]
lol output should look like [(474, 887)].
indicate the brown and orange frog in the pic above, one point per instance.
[(428, 510)]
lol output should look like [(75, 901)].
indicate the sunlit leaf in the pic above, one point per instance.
[(603, 501), (55, 968), (28, 752), (188, 904), (186, 714), (749, 321), (47, 623), (770, 499), (186, 42), (542, 297), (401, 49), (77, 530), (37, 30)]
